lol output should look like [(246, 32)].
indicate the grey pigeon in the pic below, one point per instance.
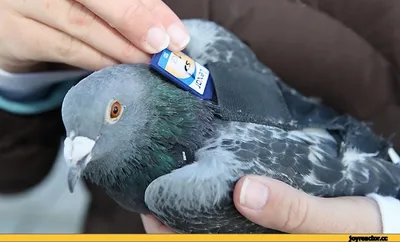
[(156, 148)]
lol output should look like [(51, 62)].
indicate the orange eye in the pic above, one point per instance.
[(115, 110)]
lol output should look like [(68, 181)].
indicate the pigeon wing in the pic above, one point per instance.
[(197, 198)]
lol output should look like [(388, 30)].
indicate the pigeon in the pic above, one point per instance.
[(158, 149)]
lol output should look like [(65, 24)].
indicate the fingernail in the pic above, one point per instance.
[(253, 194), (157, 38), (178, 36)]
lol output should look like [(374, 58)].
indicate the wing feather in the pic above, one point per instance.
[(198, 197)]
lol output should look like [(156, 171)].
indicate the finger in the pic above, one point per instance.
[(153, 226), (76, 20), (176, 30), (276, 205), (133, 20), (48, 44)]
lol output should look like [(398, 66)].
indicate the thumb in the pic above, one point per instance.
[(276, 205)]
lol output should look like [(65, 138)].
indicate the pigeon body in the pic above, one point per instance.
[(156, 148)]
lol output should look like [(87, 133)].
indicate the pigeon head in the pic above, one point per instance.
[(125, 120)]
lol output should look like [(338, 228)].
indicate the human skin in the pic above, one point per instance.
[(87, 34)]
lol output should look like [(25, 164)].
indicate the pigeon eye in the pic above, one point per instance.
[(115, 110)]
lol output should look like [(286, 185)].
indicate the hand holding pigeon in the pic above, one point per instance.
[(158, 149), (276, 205)]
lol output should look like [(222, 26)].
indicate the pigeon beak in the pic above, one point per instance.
[(77, 154), (74, 173)]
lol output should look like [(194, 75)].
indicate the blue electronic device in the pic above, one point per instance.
[(185, 72)]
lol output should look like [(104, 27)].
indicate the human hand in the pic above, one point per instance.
[(289, 210), (88, 34), (276, 205)]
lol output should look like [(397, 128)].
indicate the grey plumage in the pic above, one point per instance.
[(179, 157)]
